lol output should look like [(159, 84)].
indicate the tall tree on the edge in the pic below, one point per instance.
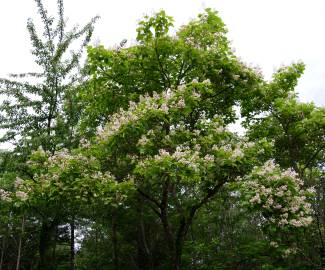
[(33, 115)]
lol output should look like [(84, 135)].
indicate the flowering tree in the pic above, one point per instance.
[(38, 110), (62, 184), (297, 131), (177, 163), (167, 102), (278, 195)]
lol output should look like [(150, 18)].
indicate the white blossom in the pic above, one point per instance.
[(207, 81), (5, 195), (311, 190), (181, 104), (164, 107), (274, 244), (143, 140), (287, 202), (255, 199), (21, 195), (18, 182), (209, 158), (237, 153)]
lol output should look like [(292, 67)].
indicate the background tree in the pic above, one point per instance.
[(34, 113), (297, 130)]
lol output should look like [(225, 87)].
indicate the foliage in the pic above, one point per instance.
[(32, 113), (160, 182)]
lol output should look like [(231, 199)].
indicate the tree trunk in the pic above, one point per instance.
[(176, 262), (322, 258), (55, 240), (45, 252), (145, 258), (20, 243), (96, 247), (114, 241), (3, 246), (177, 254), (72, 239)]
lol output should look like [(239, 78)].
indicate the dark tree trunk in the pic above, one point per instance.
[(114, 241), (145, 258), (55, 240), (175, 239), (3, 246), (47, 235), (20, 243), (322, 258), (96, 248), (176, 262), (178, 254), (72, 240)]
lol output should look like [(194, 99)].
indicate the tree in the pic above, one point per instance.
[(196, 76), (160, 62), (298, 133), (35, 113)]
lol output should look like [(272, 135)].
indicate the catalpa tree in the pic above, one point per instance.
[(178, 162), (168, 102)]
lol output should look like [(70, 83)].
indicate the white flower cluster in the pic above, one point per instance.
[(187, 157), (84, 143), (190, 153), (5, 195), (287, 252), (227, 148), (280, 194), (65, 171), (18, 182), (237, 153), (184, 155), (21, 195), (274, 244), (63, 158), (272, 171), (143, 140), (170, 99), (207, 81)]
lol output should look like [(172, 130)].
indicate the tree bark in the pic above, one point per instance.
[(3, 246), (114, 241), (46, 235), (72, 243), (20, 243), (55, 240), (145, 258)]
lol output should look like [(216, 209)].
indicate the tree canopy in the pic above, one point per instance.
[(135, 166)]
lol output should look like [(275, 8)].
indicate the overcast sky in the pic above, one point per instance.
[(267, 33)]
